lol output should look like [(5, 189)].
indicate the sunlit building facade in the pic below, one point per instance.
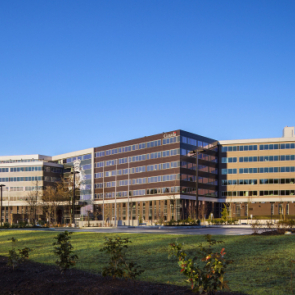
[(155, 178)]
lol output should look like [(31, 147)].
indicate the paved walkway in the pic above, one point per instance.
[(196, 231)]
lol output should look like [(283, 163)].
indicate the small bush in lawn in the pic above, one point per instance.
[(255, 227), (6, 225), (205, 272), (14, 258), (63, 250), (118, 267)]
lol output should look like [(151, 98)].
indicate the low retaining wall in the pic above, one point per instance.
[(101, 223)]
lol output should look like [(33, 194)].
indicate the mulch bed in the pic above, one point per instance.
[(33, 278)]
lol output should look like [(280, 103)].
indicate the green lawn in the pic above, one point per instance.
[(261, 263)]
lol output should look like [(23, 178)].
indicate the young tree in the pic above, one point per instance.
[(55, 196), (34, 202)]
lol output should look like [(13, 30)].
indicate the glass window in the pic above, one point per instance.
[(224, 160)]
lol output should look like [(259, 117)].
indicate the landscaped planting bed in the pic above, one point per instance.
[(262, 264)]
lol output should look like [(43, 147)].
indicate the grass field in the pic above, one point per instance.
[(261, 263)]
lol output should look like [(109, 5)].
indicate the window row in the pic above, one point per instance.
[(260, 193), (239, 148), (195, 142), (163, 190), (239, 194), (261, 181), (139, 158), (228, 171), (14, 179), (51, 179), (201, 192), (139, 169), (134, 181), (129, 148), (258, 159), (281, 146), (262, 147), (277, 193), (238, 182), (229, 159), (142, 192), (258, 170), (203, 168), (53, 169), (169, 140), (163, 178), (201, 156), (24, 188), (266, 170), (85, 157), (20, 161), (21, 169)]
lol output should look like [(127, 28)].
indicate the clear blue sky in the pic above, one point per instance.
[(78, 74)]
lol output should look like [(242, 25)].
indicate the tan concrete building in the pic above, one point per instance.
[(24, 178), (155, 178), (257, 176)]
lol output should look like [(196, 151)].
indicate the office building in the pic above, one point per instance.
[(154, 178)]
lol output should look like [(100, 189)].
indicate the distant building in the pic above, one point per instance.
[(154, 178)]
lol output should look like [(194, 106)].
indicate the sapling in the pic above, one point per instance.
[(118, 267), (14, 258), (205, 272), (64, 251)]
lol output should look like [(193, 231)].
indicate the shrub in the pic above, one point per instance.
[(255, 227), (63, 250), (6, 225), (118, 267), (224, 213), (206, 271), (14, 258)]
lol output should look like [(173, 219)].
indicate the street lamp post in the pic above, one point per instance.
[(73, 199), (1, 185)]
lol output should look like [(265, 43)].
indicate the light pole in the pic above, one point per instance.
[(73, 199), (1, 185)]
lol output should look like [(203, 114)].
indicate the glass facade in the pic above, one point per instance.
[(83, 179)]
